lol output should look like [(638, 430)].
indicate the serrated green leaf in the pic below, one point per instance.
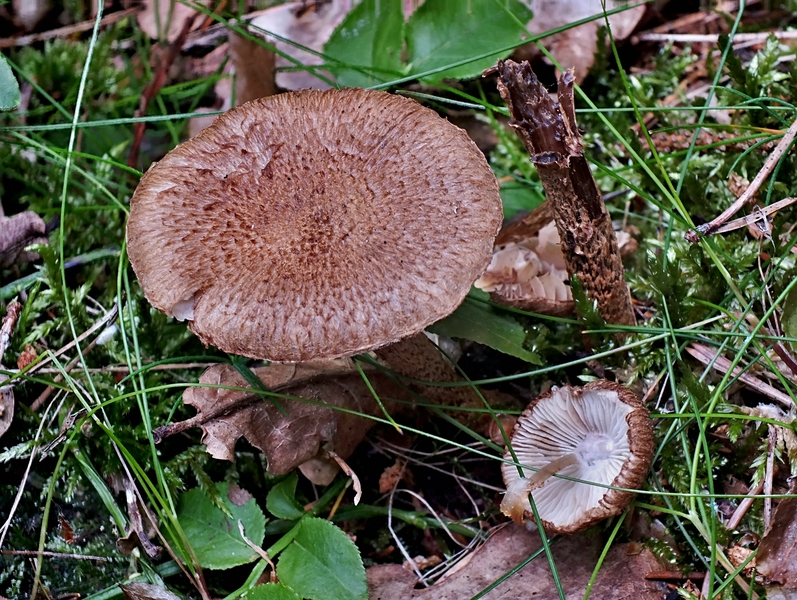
[(370, 37), (281, 500), (443, 32), (272, 591), (322, 563), (215, 537), (479, 322), (9, 88)]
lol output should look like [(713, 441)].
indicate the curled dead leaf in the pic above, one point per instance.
[(308, 28), (621, 577), (26, 357), (164, 19), (146, 591), (777, 555), (333, 415), (16, 233), (576, 47), (6, 405)]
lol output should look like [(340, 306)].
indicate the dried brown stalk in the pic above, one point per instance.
[(547, 127), (158, 80), (62, 32), (707, 355), (693, 235)]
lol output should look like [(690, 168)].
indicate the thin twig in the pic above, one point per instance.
[(743, 508), (772, 160), (71, 365), (27, 40), (124, 368), (106, 319), (769, 474), (690, 38), (54, 555), (154, 87), (706, 355), (758, 215)]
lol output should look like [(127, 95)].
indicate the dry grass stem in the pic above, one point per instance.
[(749, 194)]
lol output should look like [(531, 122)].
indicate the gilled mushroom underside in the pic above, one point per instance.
[(583, 435)]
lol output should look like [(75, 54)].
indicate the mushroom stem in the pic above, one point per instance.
[(514, 502), (547, 126), (417, 357)]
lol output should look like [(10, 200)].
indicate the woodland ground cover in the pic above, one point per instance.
[(677, 120)]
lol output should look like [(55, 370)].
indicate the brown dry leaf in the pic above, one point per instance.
[(159, 17), (6, 406), (621, 577), (27, 356), (291, 438), (29, 13), (738, 555), (309, 28), (237, 495), (16, 233), (576, 47), (777, 555), (147, 591), (13, 311), (392, 475)]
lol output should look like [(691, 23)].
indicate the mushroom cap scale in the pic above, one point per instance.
[(315, 225), (606, 428)]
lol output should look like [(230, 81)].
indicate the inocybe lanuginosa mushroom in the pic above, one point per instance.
[(314, 225), (599, 434)]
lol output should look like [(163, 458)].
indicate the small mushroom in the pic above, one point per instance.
[(530, 274), (599, 434), (315, 225)]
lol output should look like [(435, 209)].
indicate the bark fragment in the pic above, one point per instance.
[(547, 127)]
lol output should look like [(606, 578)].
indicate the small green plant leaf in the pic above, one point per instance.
[(370, 37), (479, 322), (443, 32), (322, 563), (215, 537), (789, 317), (516, 197), (281, 500), (9, 88), (272, 591)]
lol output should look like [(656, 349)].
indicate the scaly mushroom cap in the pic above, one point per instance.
[(608, 430), (315, 225)]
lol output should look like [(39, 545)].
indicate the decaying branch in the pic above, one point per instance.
[(547, 127)]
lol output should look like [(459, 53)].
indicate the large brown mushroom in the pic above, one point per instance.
[(596, 436), (315, 225)]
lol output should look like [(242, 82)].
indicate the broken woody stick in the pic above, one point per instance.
[(547, 127)]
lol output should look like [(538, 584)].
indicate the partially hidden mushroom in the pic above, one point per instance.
[(530, 274), (576, 445), (315, 225), (528, 269)]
